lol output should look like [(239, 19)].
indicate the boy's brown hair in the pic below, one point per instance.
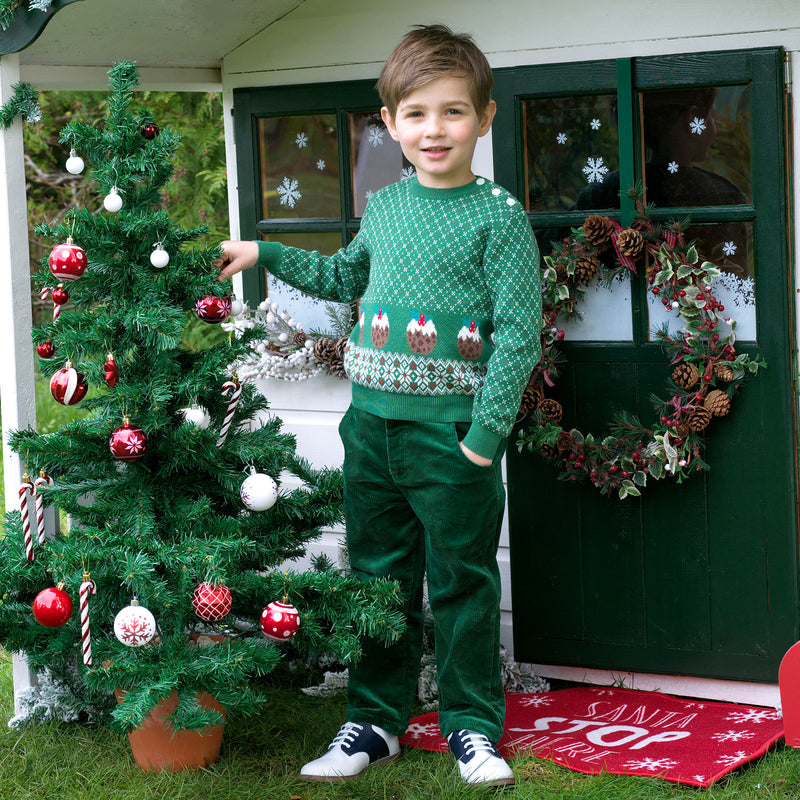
[(428, 52)]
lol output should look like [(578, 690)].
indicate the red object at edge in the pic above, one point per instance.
[(789, 680)]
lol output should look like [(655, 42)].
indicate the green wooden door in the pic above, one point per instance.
[(699, 578)]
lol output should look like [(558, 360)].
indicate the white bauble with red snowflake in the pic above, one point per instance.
[(135, 625), (280, 620)]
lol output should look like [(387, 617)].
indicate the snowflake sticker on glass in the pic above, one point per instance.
[(301, 140), (376, 134), (595, 170), (289, 192), (697, 125)]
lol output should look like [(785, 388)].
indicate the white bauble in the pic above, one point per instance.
[(259, 491), (74, 163), (112, 201), (134, 625), (159, 258), (236, 307), (196, 415)]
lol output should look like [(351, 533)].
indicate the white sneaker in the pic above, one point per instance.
[(358, 745), (479, 761)]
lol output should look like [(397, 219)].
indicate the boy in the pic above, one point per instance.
[(447, 270)]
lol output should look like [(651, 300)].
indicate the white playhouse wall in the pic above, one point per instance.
[(329, 40)]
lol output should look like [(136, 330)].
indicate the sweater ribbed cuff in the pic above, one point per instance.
[(269, 254), (483, 442)]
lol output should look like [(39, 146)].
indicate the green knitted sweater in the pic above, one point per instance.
[(450, 312)]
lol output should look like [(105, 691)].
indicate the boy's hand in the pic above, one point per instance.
[(481, 461), (236, 256)]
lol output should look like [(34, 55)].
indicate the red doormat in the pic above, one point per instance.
[(626, 732)]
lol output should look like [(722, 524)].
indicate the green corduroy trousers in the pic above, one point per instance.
[(414, 503)]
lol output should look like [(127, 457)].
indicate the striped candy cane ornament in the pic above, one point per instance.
[(25, 491), (42, 480), (235, 388), (87, 587)]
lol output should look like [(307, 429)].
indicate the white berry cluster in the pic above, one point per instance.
[(282, 353)]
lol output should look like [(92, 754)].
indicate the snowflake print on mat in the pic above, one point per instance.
[(537, 702), (756, 715), (595, 170), (289, 192), (697, 125), (732, 736), (301, 140), (729, 248), (730, 760), (652, 764), (672, 167), (595, 124), (561, 138), (418, 730), (376, 134)]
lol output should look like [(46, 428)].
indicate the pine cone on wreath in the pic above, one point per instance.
[(685, 375), (324, 349), (717, 402), (724, 373), (337, 368), (551, 410), (597, 229), (682, 430), (548, 451), (300, 339), (531, 398), (562, 276), (700, 419), (564, 442), (340, 346), (586, 268), (630, 243)]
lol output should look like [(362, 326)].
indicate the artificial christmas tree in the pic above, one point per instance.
[(155, 500)]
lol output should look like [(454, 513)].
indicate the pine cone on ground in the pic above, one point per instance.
[(551, 410), (717, 402), (685, 375), (699, 419), (630, 243), (723, 372), (324, 349), (597, 229), (586, 268)]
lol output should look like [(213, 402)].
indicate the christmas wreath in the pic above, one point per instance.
[(706, 369)]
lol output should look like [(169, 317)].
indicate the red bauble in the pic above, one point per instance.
[(52, 607), (127, 443), (280, 620), (211, 602), (68, 386), (213, 309), (111, 371), (150, 131), (46, 349), (67, 261), (60, 295)]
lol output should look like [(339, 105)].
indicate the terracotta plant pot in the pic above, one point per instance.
[(157, 746)]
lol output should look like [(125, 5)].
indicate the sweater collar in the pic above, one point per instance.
[(416, 189)]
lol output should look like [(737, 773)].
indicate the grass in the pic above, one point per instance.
[(261, 757)]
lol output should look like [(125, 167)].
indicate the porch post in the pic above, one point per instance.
[(16, 355)]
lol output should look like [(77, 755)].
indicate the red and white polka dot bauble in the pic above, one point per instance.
[(67, 261), (212, 602), (68, 386), (280, 620), (258, 491), (134, 625)]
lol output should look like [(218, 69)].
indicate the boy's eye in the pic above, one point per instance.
[(453, 110)]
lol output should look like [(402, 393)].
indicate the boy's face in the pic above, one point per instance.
[(437, 127)]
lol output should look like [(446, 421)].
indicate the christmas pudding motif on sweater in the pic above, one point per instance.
[(470, 344), (421, 335), (380, 328)]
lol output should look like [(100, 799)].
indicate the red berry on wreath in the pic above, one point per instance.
[(52, 607), (67, 261), (68, 386), (150, 131), (211, 602), (46, 349), (127, 443), (213, 309), (280, 620)]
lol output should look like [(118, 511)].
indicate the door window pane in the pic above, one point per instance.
[(571, 152), (299, 167), (376, 158), (697, 144)]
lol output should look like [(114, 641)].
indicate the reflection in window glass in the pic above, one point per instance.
[(299, 167), (731, 249), (571, 152), (697, 146), (376, 158), (304, 308)]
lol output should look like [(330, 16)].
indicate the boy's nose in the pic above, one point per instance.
[(434, 127)]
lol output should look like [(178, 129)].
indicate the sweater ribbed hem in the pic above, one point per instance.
[(269, 253)]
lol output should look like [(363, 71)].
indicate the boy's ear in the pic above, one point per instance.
[(487, 117), (388, 120)]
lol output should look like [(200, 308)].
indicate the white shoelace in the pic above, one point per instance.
[(476, 743), (347, 734)]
